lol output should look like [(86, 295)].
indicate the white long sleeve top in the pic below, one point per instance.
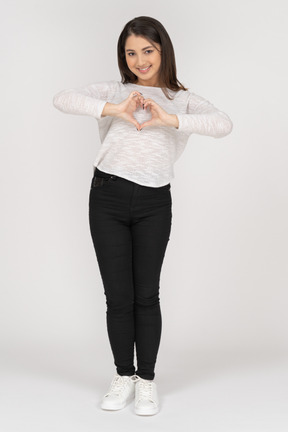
[(145, 157)]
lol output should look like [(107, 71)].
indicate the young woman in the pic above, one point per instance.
[(144, 125)]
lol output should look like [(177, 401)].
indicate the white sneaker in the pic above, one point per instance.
[(122, 390), (146, 397)]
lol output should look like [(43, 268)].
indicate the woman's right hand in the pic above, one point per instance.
[(125, 109)]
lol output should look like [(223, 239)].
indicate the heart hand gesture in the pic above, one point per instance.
[(159, 116), (126, 109)]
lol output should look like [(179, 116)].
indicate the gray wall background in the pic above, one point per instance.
[(224, 278)]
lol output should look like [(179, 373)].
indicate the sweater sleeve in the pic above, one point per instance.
[(86, 100), (203, 118)]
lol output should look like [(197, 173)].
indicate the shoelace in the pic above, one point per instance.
[(118, 384), (145, 388)]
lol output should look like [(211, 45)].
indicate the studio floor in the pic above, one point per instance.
[(200, 392)]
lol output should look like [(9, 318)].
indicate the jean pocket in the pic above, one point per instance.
[(99, 182)]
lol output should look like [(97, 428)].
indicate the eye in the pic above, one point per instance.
[(130, 54)]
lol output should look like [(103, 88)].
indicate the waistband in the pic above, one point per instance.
[(103, 174)]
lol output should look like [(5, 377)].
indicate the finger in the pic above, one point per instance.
[(147, 123), (135, 93), (139, 100), (135, 123), (136, 97), (149, 102), (141, 103)]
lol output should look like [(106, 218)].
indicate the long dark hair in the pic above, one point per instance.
[(153, 31)]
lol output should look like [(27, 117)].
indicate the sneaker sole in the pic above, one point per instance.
[(142, 411), (106, 405)]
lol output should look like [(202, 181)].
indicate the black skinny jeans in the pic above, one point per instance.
[(130, 226)]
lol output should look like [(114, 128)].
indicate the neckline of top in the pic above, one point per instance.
[(143, 86)]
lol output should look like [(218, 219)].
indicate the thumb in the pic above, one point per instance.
[(147, 123), (134, 122)]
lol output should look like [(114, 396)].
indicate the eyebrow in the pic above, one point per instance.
[(143, 49)]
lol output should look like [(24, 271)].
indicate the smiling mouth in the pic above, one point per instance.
[(145, 69)]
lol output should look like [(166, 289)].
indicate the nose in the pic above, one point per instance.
[(141, 64)]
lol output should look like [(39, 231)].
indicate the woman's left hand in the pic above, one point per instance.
[(159, 116)]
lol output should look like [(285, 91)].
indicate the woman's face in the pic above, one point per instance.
[(143, 60)]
